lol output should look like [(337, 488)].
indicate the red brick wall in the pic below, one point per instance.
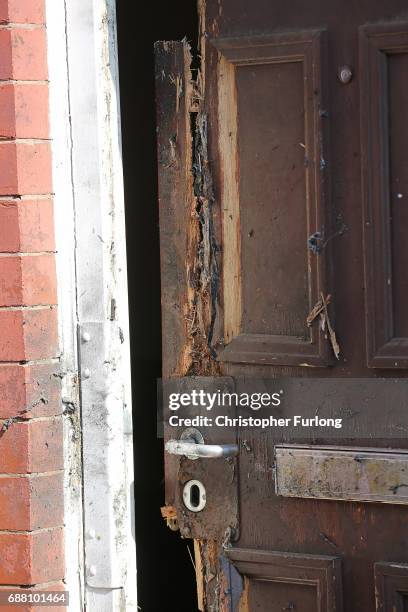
[(31, 457)]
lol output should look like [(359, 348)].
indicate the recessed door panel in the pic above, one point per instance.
[(384, 56), (272, 143)]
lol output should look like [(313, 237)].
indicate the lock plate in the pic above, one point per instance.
[(219, 477)]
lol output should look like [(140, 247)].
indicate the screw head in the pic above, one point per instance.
[(86, 373), (86, 336), (92, 570), (345, 74)]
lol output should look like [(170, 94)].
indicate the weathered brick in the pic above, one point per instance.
[(12, 391), (46, 446), (28, 334), (39, 283), (6, 56), (31, 446), (14, 516), (10, 281), (9, 170), (23, 54), (15, 558), (29, 391), (43, 390), (12, 336), (9, 227), (40, 502), (47, 557), (28, 445), (24, 110), (7, 111), (26, 168), (22, 11), (27, 280), (26, 226), (31, 558), (47, 500)]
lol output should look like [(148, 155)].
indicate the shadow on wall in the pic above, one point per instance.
[(166, 578)]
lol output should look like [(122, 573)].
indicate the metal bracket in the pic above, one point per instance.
[(103, 455)]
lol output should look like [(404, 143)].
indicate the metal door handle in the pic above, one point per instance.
[(191, 445), (204, 451)]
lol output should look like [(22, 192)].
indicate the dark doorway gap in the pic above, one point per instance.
[(166, 577)]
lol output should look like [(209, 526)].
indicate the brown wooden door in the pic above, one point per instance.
[(283, 172)]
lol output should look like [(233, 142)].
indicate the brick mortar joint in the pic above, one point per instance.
[(24, 82), (20, 254), (26, 141), (24, 308), (32, 475), (33, 532), (16, 198), (38, 585), (34, 362), (19, 419), (14, 25)]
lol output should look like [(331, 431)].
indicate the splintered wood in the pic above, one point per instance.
[(320, 310), (169, 513)]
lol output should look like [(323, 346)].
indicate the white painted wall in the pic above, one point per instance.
[(91, 264)]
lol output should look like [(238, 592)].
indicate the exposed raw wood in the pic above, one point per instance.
[(208, 574), (317, 309), (190, 274), (229, 198), (326, 324), (244, 599), (199, 575), (169, 513), (202, 257)]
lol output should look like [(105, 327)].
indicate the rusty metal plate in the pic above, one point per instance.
[(348, 474), (218, 520)]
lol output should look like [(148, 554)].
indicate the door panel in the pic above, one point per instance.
[(384, 94), (289, 581), (277, 93), (391, 582), (283, 188)]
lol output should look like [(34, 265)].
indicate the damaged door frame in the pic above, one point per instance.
[(93, 306)]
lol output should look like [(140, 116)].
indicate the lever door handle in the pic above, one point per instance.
[(191, 445), (191, 449)]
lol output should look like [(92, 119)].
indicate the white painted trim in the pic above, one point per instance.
[(90, 231), (65, 244)]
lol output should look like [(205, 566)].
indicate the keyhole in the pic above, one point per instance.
[(194, 496)]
